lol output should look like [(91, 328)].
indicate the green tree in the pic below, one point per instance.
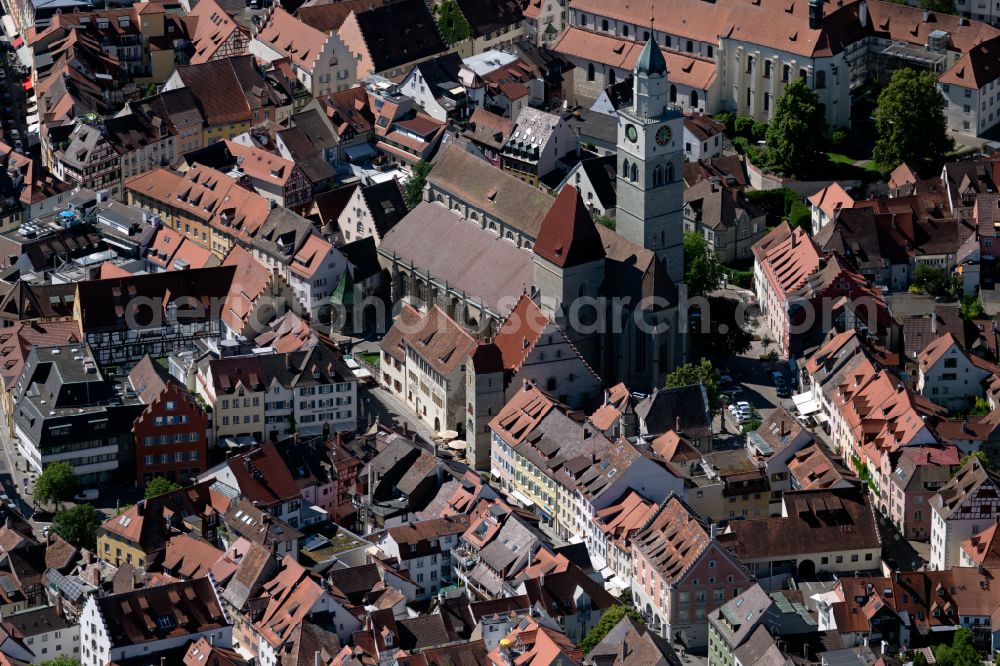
[(961, 652), (797, 131), (725, 336), (910, 123), (61, 661), (56, 484), (940, 6), (454, 28), (933, 281), (980, 406), (702, 271), (78, 525), (919, 659), (969, 456), (972, 307), (704, 373), (160, 486), (608, 621), (413, 191), (606, 221)]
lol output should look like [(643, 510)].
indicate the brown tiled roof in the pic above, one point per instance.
[(398, 33), (428, 530), (495, 192), (568, 236), (16, 342), (328, 17), (437, 339), (105, 304), (488, 128), (212, 27), (686, 70), (262, 476), (816, 468), (484, 266), (204, 653), (817, 521), (299, 41), (173, 610), (217, 90), (291, 595), (187, 557)]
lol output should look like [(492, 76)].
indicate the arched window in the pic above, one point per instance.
[(657, 176), (673, 94), (767, 69), (820, 79), (611, 77), (670, 173), (473, 216), (590, 72), (582, 291), (634, 173), (624, 31), (694, 99), (786, 71), (750, 65), (625, 169), (550, 385)]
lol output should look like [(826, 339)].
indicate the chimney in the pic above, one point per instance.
[(781, 428), (140, 506), (317, 660), (863, 14), (933, 323), (815, 14), (59, 605), (677, 424), (163, 661), (623, 651), (713, 531)]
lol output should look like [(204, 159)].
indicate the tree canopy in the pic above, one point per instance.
[(725, 336), (160, 486), (61, 661), (413, 191), (78, 525), (454, 27), (703, 372), (961, 652), (910, 123), (797, 131), (702, 271), (56, 483), (608, 621)]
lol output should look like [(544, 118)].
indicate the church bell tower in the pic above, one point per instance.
[(650, 193)]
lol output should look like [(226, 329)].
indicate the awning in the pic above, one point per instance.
[(27, 85), (806, 404), (360, 151), (521, 498)]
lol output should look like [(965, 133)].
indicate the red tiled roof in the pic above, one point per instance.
[(568, 235)]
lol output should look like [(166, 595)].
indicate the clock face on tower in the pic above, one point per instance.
[(631, 134), (663, 135)]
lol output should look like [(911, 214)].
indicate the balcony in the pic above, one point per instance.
[(463, 558)]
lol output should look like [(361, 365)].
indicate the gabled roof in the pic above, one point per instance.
[(168, 611), (217, 90), (105, 304), (299, 41), (568, 236), (398, 33)]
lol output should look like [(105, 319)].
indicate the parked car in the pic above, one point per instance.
[(87, 495)]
